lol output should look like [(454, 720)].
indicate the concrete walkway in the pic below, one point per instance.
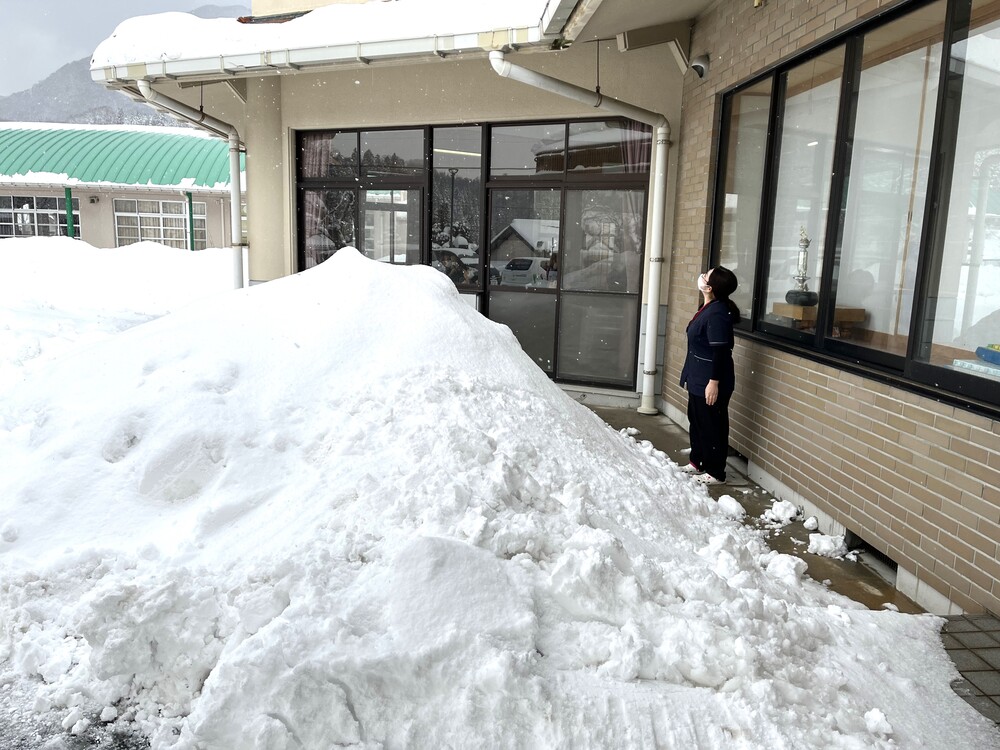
[(973, 641)]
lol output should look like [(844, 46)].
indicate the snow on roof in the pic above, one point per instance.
[(68, 155), (451, 24)]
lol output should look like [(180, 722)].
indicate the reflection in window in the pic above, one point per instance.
[(528, 150), (328, 223), (967, 298), (812, 95), (532, 319), (597, 335), (524, 238), (884, 208), (603, 247), (456, 224), (392, 225), (328, 154), (609, 147), (743, 178), (165, 222), (392, 152)]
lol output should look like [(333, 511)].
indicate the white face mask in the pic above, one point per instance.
[(702, 286)]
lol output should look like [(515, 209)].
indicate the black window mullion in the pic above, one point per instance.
[(939, 178), (842, 152), (765, 232)]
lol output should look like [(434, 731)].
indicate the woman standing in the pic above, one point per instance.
[(709, 375)]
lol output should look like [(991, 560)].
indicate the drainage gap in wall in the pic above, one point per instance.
[(879, 562)]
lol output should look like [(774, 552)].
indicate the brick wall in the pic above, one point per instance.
[(916, 479)]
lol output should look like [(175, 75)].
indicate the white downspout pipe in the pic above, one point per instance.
[(657, 198), (219, 128)]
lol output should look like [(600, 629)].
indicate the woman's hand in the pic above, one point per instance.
[(712, 392)]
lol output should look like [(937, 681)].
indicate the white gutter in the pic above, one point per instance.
[(219, 128), (657, 196), (261, 62)]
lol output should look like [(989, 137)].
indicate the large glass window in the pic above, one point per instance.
[(966, 297), (528, 150), (604, 236), (456, 211), (36, 216), (374, 180), (329, 223), (547, 232), (742, 184), (869, 150), (392, 225), (805, 160), (879, 242)]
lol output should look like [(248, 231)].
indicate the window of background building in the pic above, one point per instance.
[(904, 282), (165, 222), (36, 216)]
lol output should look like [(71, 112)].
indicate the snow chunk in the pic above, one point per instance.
[(827, 546)]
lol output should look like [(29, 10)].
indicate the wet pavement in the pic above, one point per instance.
[(972, 641)]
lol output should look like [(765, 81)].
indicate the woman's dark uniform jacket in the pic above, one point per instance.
[(710, 348)]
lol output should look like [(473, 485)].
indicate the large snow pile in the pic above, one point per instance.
[(344, 509)]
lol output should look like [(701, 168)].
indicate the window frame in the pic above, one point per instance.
[(909, 371)]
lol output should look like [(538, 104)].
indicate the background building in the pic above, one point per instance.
[(124, 183)]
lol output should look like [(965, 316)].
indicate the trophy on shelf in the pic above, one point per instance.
[(801, 295)]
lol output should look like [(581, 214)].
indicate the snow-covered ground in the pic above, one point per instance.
[(344, 509)]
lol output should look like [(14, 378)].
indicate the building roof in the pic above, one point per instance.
[(178, 46), (177, 158)]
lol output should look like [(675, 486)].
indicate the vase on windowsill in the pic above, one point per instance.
[(801, 295)]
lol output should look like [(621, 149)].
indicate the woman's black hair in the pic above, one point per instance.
[(724, 283)]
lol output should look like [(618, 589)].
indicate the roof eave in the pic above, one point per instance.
[(273, 62)]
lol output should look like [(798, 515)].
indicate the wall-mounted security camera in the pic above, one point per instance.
[(700, 65)]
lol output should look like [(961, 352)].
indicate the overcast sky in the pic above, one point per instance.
[(40, 36)]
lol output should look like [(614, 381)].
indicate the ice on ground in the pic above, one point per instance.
[(827, 546), (781, 513)]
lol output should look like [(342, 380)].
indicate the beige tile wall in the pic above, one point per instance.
[(916, 479)]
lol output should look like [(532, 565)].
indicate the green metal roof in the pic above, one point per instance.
[(116, 155)]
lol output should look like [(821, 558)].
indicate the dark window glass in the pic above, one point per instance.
[(524, 225), (883, 211), (392, 225), (5, 201), (532, 319), (528, 150), (597, 335), (392, 152), (743, 180), (609, 147), (965, 300), (456, 212), (604, 237), (329, 223), (328, 154)]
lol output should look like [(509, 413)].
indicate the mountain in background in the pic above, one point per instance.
[(69, 94)]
